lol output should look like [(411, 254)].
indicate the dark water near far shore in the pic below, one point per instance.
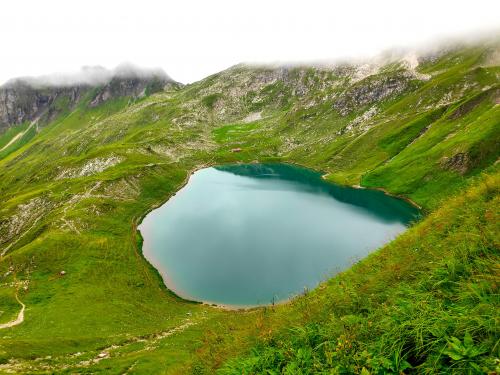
[(245, 235)]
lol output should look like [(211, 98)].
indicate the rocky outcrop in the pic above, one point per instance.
[(91, 167), (469, 105), (26, 99), (459, 162), (132, 84), (21, 102), (25, 217), (372, 90)]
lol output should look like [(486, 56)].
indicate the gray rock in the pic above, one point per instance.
[(27, 99)]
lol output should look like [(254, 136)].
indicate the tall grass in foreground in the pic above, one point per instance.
[(426, 303)]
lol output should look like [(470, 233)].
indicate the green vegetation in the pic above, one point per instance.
[(426, 302), (210, 100), (15, 137), (6, 137), (73, 192)]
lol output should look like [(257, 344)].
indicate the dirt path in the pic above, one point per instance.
[(18, 136), (149, 344), (71, 361), (18, 320)]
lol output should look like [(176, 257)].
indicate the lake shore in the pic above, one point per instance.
[(302, 178)]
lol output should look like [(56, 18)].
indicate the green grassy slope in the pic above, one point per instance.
[(73, 194), (427, 302)]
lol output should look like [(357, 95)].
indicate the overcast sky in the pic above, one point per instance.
[(192, 39)]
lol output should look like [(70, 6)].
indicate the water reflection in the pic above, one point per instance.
[(373, 201), (247, 234)]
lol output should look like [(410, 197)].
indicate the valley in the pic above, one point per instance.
[(75, 187)]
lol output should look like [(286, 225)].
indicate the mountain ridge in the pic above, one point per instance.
[(27, 99)]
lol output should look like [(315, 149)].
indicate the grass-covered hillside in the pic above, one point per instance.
[(73, 191)]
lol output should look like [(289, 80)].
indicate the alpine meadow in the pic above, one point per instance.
[(81, 165)]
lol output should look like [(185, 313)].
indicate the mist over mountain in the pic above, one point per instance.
[(42, 98), (89, 76)]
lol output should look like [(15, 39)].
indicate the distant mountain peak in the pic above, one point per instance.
[(90, 76), (29, 98)]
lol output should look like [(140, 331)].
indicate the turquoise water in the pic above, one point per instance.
[(246, 235)]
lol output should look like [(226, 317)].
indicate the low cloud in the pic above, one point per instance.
[(91, 76), (421, 51)]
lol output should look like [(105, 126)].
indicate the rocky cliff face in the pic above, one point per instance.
[(29, 99), (133, 86), (245, 91), (20, 102)]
